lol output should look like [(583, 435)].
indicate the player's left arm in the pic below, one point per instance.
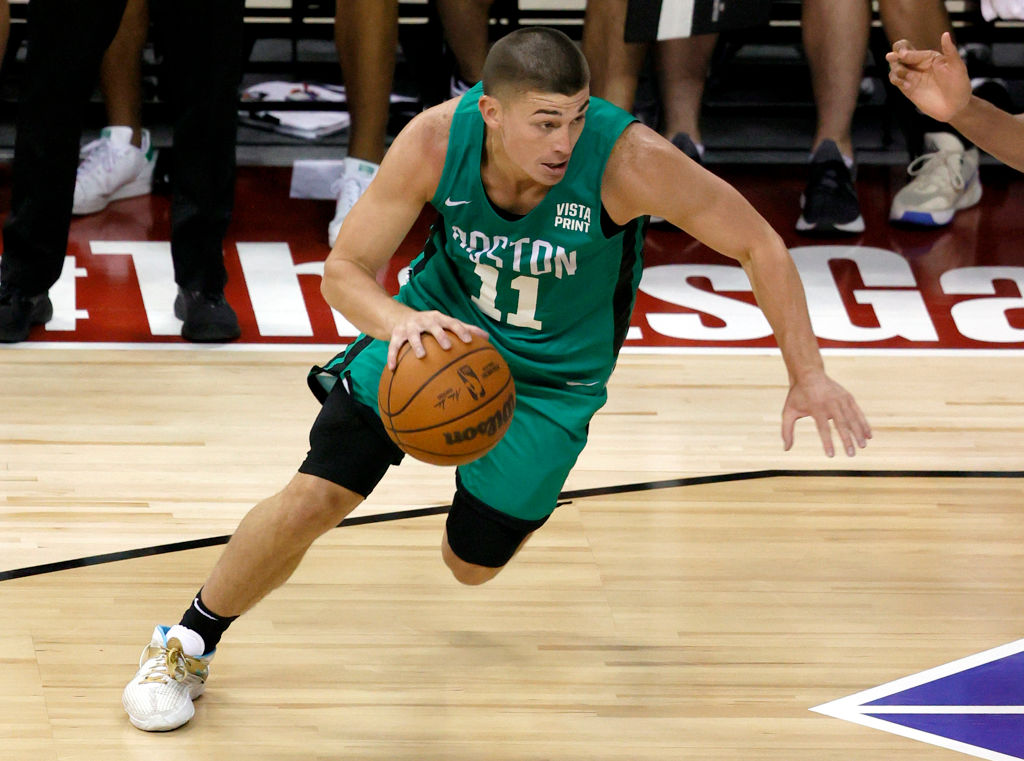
[(648, 175)]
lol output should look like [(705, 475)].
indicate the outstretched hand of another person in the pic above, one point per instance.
[(936, 82), (819, 397)]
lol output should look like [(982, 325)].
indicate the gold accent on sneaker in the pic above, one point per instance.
[(176, 665)]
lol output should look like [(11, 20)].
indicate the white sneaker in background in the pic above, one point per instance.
[(169, 678), (111, 168), (457, 86), (945, 180), (349, 188)]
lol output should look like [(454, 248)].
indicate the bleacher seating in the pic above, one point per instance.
[(751, 58)]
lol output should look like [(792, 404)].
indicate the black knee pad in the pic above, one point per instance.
[(479, 534)]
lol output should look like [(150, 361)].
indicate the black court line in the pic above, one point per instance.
[(564, 498)]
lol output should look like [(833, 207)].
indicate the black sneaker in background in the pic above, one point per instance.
[(829, 203), (683, 142), (207, 317), (19, 313)]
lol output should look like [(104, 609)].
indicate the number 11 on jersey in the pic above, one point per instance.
[(525, 285)]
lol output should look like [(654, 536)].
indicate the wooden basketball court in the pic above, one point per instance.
[(696, 618)]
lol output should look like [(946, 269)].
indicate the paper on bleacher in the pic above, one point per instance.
[(305, 124)]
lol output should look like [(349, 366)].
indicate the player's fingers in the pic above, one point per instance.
[(902, 46), (825, 432), (897, 68), (393, 348), (918, 60), (464, 332), (416, 342), (859, 423), (789, 418), (905, 79), (948, 47), (843, 428), (910, 55), (440, 332)]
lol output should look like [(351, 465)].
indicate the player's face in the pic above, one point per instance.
[(539, 131)]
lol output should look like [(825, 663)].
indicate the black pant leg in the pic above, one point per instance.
[(66, 42), (203, 57)]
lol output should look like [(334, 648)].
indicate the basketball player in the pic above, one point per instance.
[(938, 84), (541, 192)]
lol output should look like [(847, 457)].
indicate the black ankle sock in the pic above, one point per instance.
[(205, 622)]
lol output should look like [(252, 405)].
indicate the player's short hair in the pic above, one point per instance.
[(535, 58)]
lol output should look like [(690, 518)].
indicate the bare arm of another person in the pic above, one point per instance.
[(644, 176), (938, 84), (373, 231)]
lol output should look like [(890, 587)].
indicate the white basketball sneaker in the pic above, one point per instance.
[(111, 168), (160, 696), (945, 180), (349, 188)]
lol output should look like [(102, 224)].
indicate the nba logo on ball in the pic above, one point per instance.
[(448, 407)]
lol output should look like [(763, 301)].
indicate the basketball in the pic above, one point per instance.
[(450, 407)]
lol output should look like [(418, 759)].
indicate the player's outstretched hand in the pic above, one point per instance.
[(936, 82), (412, 328), (821, 398)]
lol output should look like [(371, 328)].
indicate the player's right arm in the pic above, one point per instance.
[(378, 223), (938, 84)]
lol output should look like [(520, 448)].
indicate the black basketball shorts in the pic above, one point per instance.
[(348, 446)]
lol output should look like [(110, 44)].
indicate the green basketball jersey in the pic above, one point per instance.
[(554, 288)]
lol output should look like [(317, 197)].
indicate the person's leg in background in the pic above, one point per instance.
[(614, 63), (615, 67), (66, 41), (366, 36), (5, 27), (467, 32), (682, 66), (944, 166), (203, 58), (121, 70), (835, 36), (120, 163)]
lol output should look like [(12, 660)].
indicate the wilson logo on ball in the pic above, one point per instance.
[(487, 427)]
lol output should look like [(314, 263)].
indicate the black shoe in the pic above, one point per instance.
[(19, 313), (207, 317), (829, 203), (683, 142)]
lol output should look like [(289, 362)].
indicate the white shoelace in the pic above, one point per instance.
[(939, 164)]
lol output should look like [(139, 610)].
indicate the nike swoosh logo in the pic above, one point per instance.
[(581, 383), (450, 202)]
